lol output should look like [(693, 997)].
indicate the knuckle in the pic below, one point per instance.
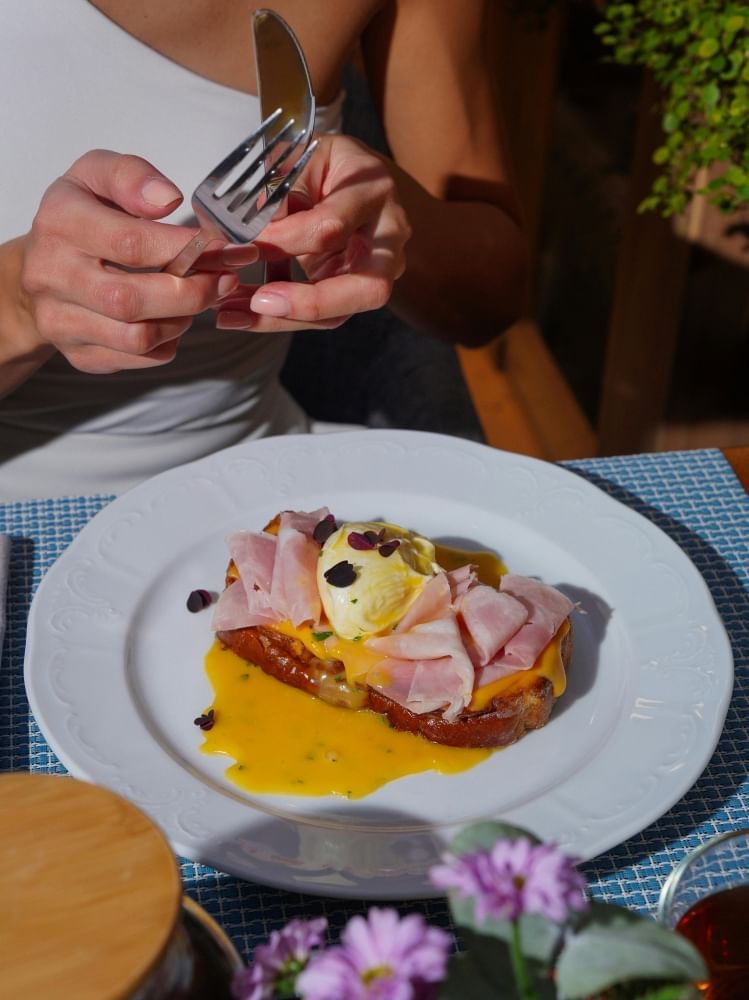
[(119, 300), (140, 338), (47, 317), (194, 295), (331, 234), (52, 208), (129, 245)]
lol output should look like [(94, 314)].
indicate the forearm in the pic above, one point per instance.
[(22, 350), (467, 266)]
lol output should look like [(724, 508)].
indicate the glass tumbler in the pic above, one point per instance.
[(706, 898)]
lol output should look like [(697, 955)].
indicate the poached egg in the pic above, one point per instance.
[(369, 574)]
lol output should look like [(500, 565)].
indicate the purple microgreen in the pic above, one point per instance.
[(359, 541), (198, 600), (206, 720), (342, 574), (324, 529), (388, 548)]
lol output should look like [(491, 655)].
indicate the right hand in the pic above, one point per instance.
[(104, 319)]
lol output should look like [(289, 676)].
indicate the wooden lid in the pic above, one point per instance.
[(91, 890)]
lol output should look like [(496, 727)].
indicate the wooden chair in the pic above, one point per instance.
[(523, 400)]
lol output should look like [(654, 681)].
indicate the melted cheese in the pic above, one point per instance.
[(549, 665), (285, 741), (355, 657)]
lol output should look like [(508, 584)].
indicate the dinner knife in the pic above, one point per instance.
[(283, 81)]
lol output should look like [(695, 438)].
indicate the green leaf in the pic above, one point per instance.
[(661, 155), (711, 94), (735, 23), (484, 970), (539, 938), (734, 175), (708, 48), (465, 981), (483, 836), (618, 950)]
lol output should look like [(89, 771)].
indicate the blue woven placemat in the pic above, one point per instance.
[(693, 496)]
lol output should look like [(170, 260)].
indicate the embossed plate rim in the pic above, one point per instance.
[(669, 643)]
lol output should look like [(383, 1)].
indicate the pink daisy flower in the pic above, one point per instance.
[(513, 878), (381, 957)]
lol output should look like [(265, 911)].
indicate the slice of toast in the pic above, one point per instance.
[(525, 704)]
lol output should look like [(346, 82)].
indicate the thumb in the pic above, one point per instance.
[(129, 182)]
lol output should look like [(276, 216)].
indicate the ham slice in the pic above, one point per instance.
[(294, 594), (547, 609), (425, 668), (462, 579), (277, 575), (236, 609), (433, 602), (254, 554), (491, 618)]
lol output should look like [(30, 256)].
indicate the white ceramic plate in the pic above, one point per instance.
[(114, 662)]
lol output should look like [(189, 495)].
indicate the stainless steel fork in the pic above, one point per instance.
[(241, 211)]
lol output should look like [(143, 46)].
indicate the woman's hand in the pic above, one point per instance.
[(94, 231), (348, 231)]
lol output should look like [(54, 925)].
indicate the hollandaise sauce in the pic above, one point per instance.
[(284, 741), (489, 567)]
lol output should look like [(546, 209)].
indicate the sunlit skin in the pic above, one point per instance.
[(448, 249)]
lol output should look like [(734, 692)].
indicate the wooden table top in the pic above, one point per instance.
[(739, 459)]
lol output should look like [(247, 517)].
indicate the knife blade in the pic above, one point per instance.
[(283, 81)]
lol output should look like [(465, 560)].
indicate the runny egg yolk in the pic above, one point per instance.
[(284, 741), (387, 578)]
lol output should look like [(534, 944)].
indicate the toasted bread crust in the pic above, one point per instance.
[(506, 719)]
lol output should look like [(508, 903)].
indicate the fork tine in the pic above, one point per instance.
[(259, 159), (265, 214), (268, 177), (236, 156)]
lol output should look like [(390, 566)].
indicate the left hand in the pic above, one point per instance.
[(348, 231)]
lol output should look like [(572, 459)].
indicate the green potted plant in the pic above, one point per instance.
[(698, 53)]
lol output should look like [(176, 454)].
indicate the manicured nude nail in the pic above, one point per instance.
[(159, 193), (238, 256), (230, 319), (270, 304), (226, 284)]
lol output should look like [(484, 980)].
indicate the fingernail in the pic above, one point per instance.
[(230, 319), (270, 304), (226, 284), (160, 193), (234, 256)]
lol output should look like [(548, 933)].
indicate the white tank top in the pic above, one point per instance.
[(72, 80)]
